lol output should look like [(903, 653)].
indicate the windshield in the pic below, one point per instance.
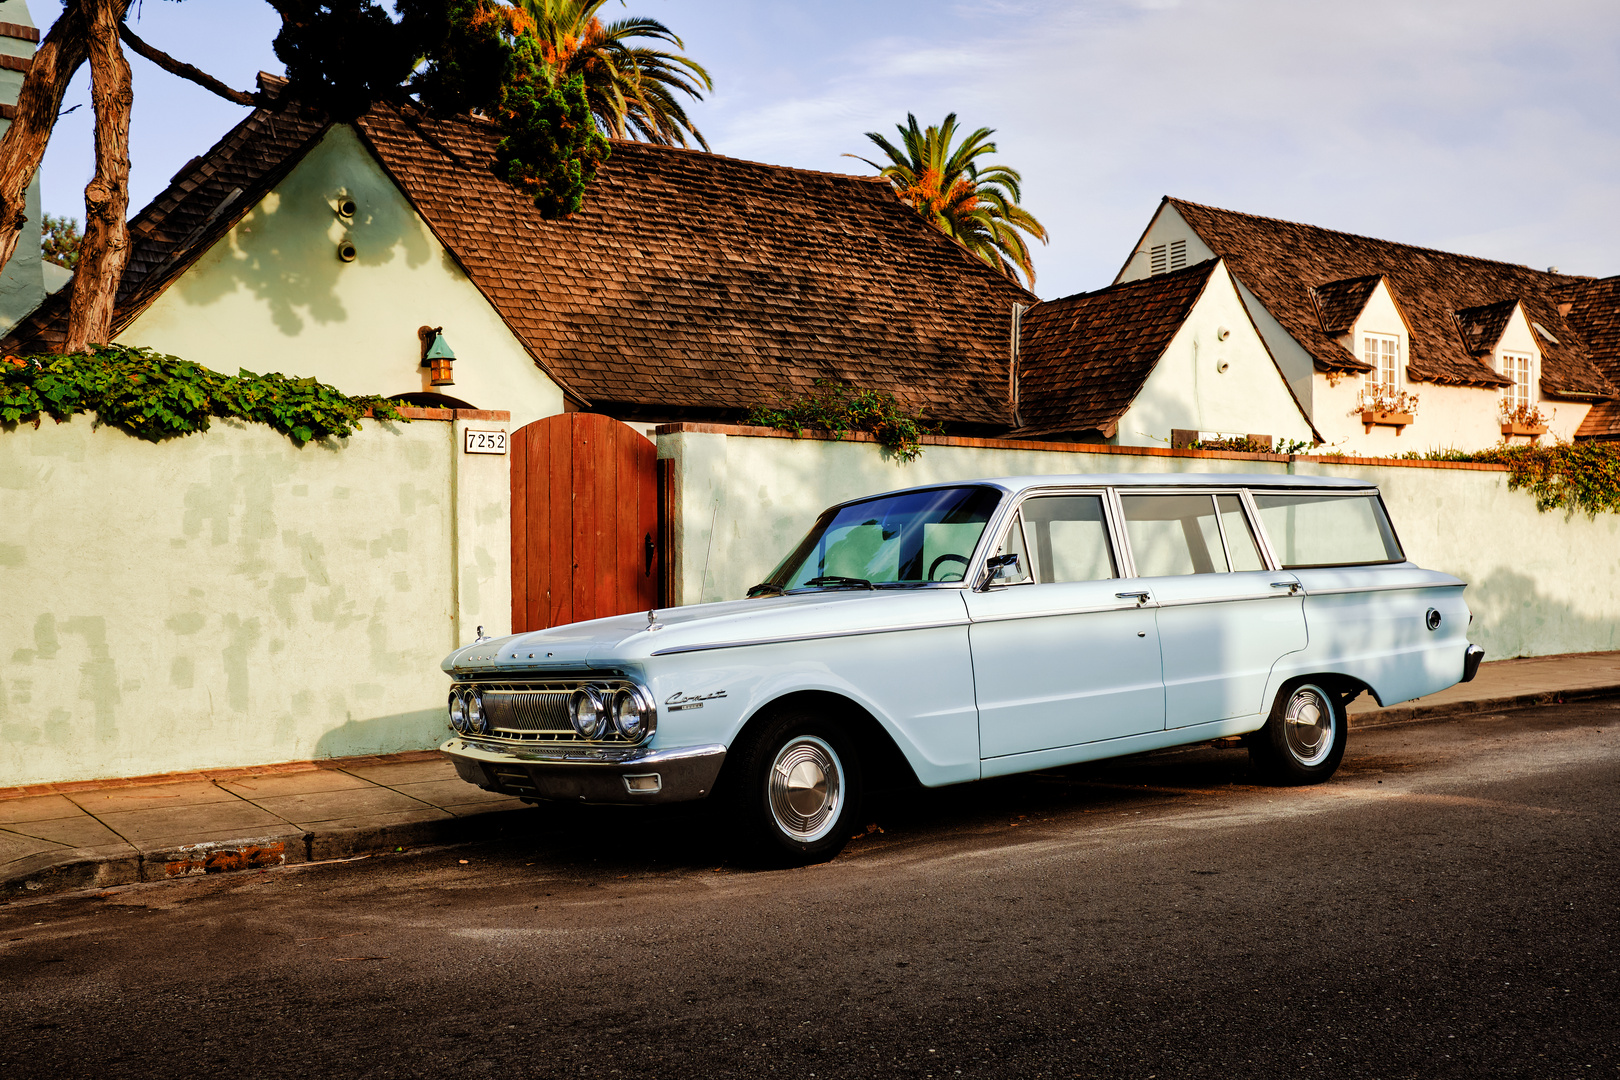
[(905, 539)]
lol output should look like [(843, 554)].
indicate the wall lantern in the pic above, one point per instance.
[(438, 357)]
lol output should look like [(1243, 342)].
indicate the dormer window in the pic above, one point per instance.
[(1520, 367), (1383, 353), (1171, 256)]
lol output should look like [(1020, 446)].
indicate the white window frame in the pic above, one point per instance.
[(1383, 352), (1521, 368)]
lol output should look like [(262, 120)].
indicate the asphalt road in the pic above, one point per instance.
[(1446, 906)]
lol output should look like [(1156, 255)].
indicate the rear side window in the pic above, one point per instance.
[(1327, 530), (1183, 534)]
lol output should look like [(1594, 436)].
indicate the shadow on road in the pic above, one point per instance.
[(611, 840)]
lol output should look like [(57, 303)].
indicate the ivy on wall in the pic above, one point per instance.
[(836, 408), (1581, 477), (154, 397)]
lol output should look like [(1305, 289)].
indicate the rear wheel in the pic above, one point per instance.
[(1303, 741), (797, 788)]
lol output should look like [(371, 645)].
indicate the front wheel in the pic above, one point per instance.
[(797, 789), (1303, 741)]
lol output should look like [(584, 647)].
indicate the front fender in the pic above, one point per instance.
[(917, 684)]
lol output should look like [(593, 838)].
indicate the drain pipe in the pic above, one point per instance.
[(1012, 359)]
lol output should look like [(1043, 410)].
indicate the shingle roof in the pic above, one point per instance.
[(1084, 358), (1281, 262), (1482, 327), (688, 281), (699, 281), (1594, 310), (1338, 303)]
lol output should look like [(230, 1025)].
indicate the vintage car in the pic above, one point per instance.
[(958, 631)]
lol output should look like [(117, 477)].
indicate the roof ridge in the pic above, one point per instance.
[(699, 152), (1558, 278), (1208, 266)]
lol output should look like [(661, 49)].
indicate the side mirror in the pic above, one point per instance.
[(1000, 566)]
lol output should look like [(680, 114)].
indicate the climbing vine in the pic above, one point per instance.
[(1581, 477), (837, 408), (155, 397)]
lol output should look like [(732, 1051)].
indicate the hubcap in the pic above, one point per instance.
[(1308, 724), (806, 788)]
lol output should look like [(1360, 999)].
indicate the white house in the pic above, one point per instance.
[(690, 286), (1391, 347), (1158, 362)]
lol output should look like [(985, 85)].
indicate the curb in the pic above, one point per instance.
[(43, 875), (1411, 714)]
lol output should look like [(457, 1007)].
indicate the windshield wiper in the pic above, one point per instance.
[(846, 582), (765, 588)]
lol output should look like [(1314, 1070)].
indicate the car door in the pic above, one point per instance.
[(1060, 656), (1224, 619)]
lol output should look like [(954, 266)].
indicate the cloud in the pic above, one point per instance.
[(1443, 123)]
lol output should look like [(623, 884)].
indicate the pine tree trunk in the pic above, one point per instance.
[(105, 248), (59, 56)]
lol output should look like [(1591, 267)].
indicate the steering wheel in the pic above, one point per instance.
[(948, 555)]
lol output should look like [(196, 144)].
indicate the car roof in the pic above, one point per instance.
[(1020, 484)]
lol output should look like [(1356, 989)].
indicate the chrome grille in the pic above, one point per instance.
[(537, 711), (528, 714)]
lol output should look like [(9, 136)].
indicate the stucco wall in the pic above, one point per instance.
[(231, 599), (1188, 389), (1539, 583), (272, 295)]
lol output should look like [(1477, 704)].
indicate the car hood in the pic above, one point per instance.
[(629, 639)]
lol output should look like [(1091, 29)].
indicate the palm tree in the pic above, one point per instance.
[(945, 185), (630, 88)]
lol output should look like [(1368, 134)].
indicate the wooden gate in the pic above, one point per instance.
[(585, 535)]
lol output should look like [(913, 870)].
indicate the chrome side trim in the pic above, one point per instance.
[(1229, 599), (789, 639), (1346, 590), (1052, 613)]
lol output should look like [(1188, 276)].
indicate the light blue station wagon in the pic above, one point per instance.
[(953, 632)]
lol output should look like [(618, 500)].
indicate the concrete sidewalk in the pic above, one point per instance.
[(100, 833)]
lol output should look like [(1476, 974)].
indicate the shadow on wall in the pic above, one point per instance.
[(1512, 617), (286, 251), (423, 729)]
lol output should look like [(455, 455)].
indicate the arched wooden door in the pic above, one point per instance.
[(584, 521)]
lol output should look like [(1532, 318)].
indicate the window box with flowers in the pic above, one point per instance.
[(1524, 419), (1382, 404)]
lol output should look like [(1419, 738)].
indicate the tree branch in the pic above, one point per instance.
[(61, 54), (183, 69)]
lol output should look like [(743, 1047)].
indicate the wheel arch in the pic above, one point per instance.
[(1346, 687), (883, 762)]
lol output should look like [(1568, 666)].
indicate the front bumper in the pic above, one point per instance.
[(592, 775)]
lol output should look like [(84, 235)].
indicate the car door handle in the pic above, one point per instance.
[(1291, 586), (1140, 597)]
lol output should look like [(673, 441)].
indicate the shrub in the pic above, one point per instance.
[(154, 397), (837, 408)]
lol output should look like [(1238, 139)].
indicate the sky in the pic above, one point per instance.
[(1489, 127)]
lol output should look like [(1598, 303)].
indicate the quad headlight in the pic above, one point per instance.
[(632, 717), (467, 711), (473, 702), (588, 713)]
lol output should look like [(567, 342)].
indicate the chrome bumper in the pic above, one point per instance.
[(592, 775), (1471, 660)]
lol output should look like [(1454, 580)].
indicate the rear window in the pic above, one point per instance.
[(1327, 530)]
